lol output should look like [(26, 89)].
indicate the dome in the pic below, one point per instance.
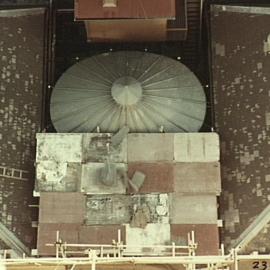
[(144, 91)]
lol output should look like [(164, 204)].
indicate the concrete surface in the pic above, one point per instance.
[(103, 234), (58, 176), (153, 234), (105, 209), (120, 209), (96, 149), (64, 147), (196, 147), (62, 161), (79, 147), (91, 184), (150, 147), (83, 147), (196, 209)]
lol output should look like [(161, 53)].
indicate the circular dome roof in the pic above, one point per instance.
[(144, 91)]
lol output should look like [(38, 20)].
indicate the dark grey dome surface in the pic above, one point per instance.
[(145, 91)]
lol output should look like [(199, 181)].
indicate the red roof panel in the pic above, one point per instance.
[(62, 207), (126, 9), (159, 176), (206, 235)]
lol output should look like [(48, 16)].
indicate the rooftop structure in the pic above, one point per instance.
[(154, 193), (152, 199)]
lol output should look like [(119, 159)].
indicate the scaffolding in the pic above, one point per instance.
[(75, 256)]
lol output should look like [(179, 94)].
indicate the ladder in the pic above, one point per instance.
[(13, 173)]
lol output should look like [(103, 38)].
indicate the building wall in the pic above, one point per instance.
[(240, 55), (21, 91)]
